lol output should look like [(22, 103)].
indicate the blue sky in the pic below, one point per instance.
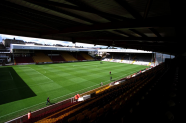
[(45, 41)]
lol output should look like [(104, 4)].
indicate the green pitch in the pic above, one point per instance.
[(26, 87)]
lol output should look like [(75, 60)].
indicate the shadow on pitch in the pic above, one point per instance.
[(51, 103), (12, 87)]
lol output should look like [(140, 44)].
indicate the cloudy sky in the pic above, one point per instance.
[(45, 41)]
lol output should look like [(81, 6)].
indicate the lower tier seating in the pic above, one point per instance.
[(23, 60)]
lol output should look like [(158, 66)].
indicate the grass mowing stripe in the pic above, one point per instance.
[(41, 74), (45, 101), (60, 97), (81, 77), (24, 87)]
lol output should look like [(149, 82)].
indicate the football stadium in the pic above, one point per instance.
[(137, 77), (36, 75)]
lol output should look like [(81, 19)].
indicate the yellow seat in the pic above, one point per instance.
[(92, 117), (72, 119), (80, 118)]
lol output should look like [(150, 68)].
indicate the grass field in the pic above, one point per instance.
[(26, 87)]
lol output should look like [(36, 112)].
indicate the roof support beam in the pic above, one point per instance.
[(16, 8), (149, 2), (88, 8), (126, 6), (156, 22), (62, 11), (119, 31), (137, 32), (57, 4), (28, 19), (155, 32), (130, 39), (80, 8)]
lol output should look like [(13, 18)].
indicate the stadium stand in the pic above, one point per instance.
[(86, 56), (138, 58), (23, 60), (57, 58), (4, 54), (78, 56), (7, 42), (68, 57), (41, 57), (2, 47)]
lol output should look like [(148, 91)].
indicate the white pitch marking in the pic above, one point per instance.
[(41, 74), (11, 75)]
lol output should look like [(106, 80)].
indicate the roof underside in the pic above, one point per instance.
[(154, 25)]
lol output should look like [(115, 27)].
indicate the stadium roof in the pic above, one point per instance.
[(54, 48), (152, 25), (123, 51)]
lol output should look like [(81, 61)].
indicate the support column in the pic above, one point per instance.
[(51, 54), (162, 57), (13, 56), (154, 59)]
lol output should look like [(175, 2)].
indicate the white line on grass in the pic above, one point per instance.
[(11, 75), (41, 74)]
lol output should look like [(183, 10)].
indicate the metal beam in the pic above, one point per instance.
[(21, 9), (29, 19), (62, 11), (156, 22), (149, 2), (108, 16), (130, 39), (126, 6), (58, 4), (119, 31), (155, 32), (80, 8), (137, 32)]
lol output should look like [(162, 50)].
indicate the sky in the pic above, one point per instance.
[(45, 41)]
